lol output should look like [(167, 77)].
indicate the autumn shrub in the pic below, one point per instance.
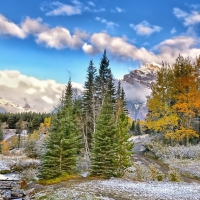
[(5, 148), (156, 174), (174, 175), (137, 172)]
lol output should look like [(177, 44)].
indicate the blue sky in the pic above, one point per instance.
[(50, 39)]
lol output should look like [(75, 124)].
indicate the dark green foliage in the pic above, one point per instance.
[(11, 121), (103, 155), (132, 129), (15, 120), (123, 146), (137, 128), (89, 102), (63, 143), (104, 82)]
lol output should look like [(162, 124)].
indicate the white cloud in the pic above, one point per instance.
[(195, 6), (41, 95), (144, 28), (167, 51), (179, 13), (31, 91), (32, 26), (117, 46), (190, 19), (47, 99), (95, 10), (173, 31), (61, 38), (9, 28), (109, 24), (91, 3), (119, 9), (65, 9)]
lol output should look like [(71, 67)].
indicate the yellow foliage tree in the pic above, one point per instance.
[(175, 100), (35, 135), (5, 148), (47, 122)]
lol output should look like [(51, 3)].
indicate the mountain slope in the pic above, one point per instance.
[(9, 106), (139, 80)]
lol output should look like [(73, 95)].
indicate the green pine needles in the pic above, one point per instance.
[(94, 124)]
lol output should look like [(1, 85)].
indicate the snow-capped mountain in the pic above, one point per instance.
[(145, 75), (140, 80), (9, 106)]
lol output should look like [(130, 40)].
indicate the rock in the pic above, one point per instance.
[(142, 149), (10, 189)]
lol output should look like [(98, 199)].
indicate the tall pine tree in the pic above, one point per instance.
[(89, 102), (104, 82), (103, 155), (63, 143)]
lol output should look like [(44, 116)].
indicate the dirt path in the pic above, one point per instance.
[(163, 167)]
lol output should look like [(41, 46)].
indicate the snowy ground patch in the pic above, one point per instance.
[(120, 189), (124, 189)]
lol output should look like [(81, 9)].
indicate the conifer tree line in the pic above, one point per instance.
[(94, 125), (174, 103), (31, 119)]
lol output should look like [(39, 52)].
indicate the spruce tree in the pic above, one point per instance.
[(123, 146), (103, 154), (138, 128), (104, 81), (89, 102), (63, 143)]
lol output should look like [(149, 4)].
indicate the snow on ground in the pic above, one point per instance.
[(124, 189), (11, 176), (188, 166), (140, 138), (8, 133), (121, 189)]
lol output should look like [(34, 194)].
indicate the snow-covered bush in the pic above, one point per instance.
[(188, 167), (83, 163), (29, 174), (164, 152)]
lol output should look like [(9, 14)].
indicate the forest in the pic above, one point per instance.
[(91, 132)]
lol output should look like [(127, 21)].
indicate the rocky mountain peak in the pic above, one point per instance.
[(144, 75), (9, 106)]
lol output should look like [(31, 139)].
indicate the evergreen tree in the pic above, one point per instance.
[(63, 143), (138, 128), (89, 102), (104, 82), (123, 146), (132, 129), (11, 121), (103, 154)]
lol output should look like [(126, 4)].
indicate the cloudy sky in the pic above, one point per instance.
[(42, 43)]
